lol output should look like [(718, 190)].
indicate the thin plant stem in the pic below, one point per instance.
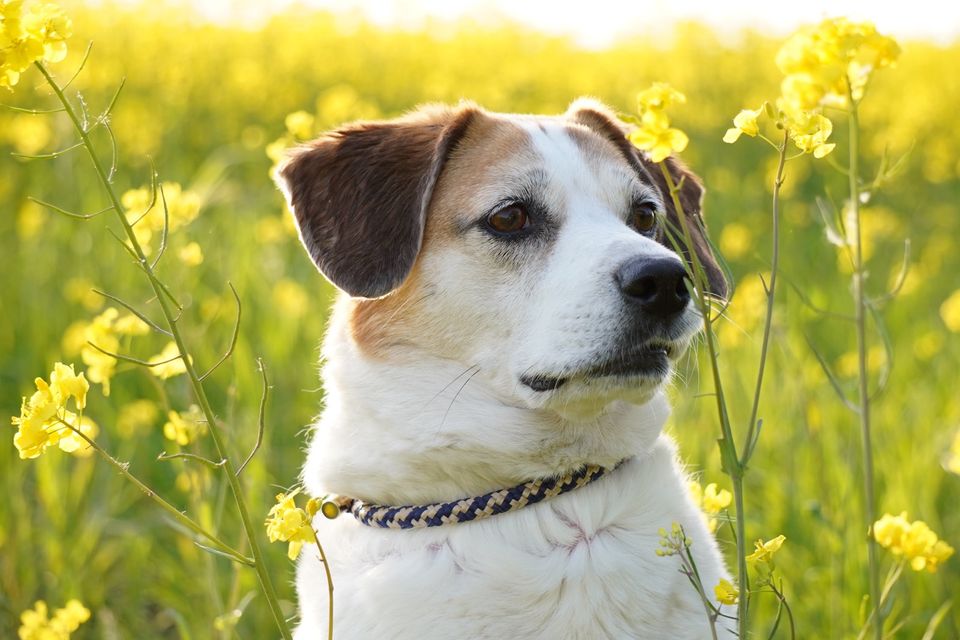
[(259, 563), (860, 304), (728, 449), (771, 292), (177, 515), (326, 568)]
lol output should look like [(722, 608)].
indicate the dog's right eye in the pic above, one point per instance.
[(509, 219)]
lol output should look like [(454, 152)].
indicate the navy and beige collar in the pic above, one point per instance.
[(465, 509)]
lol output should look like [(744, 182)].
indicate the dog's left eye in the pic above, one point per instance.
[(643, 217), (509, 219)]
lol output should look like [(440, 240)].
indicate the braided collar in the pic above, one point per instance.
[(465, 509)]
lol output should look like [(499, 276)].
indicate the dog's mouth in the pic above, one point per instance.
[(650, 361)]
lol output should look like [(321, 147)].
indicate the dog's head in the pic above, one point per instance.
[(533, 248)]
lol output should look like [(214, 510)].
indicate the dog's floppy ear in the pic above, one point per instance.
[(601, 120), (360, 195)]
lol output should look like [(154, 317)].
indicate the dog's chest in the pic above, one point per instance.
[(581, 566)]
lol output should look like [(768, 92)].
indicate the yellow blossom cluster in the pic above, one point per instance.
[(821, 66), (184, 428), (102, 336), (653, 132), (710, 500), (915, 541), (289, 523), (38, 32), (105, 331), (144, 210), (45, 421), (35, 624)]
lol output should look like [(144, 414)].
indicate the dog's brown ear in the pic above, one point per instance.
[(360, 195), (601, 120)]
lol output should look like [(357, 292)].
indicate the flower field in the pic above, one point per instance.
[(210, 108)]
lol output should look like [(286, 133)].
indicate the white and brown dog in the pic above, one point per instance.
[(510, 311)]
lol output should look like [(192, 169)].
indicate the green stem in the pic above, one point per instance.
[(728, 448), (771, 292), (263, 575), (178, 515), (326, 567), (860, 303)]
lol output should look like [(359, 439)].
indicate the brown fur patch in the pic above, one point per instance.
[(490, 148), (360, 195)]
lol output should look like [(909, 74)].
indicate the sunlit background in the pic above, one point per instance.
[(209, 92)]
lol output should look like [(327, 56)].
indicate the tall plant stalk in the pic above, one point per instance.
[(735, 464), (171, 319), (863, 406)]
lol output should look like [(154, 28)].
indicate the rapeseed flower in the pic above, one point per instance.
[(184, 428), (653, 132), (710, 501), (145, 210), (170, 362), (45, 421), (744, 122), (36, 625), (105, 332), (765, 551), (289, 523), (38, 34), (726, 592), (823, 64), (915, 541)]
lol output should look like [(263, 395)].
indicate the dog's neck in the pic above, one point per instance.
[(415, 429)]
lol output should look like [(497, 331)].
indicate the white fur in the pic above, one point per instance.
[(448, 418)]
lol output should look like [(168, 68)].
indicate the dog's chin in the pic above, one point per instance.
[(586, 389)]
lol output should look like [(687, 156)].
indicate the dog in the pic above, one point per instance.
[(510, 309)]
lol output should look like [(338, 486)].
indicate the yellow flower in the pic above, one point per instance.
[(653, 133), (100, 366), (41, 421), (144, 210), (35, 625), (950, 312), (289, 523), (809, 132), (66, 384), (915, 541), (710, 501), (49, 24), (300, 124), (744, 122), (39, 34), (172, 362), (191, 254), (726, 593), (70, 441), (823, 63), (184, 428), (765, 550), (131, 325)]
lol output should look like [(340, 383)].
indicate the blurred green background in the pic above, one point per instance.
[(204, 101)]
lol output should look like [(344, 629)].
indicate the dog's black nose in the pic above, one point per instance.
[(656, 284)]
